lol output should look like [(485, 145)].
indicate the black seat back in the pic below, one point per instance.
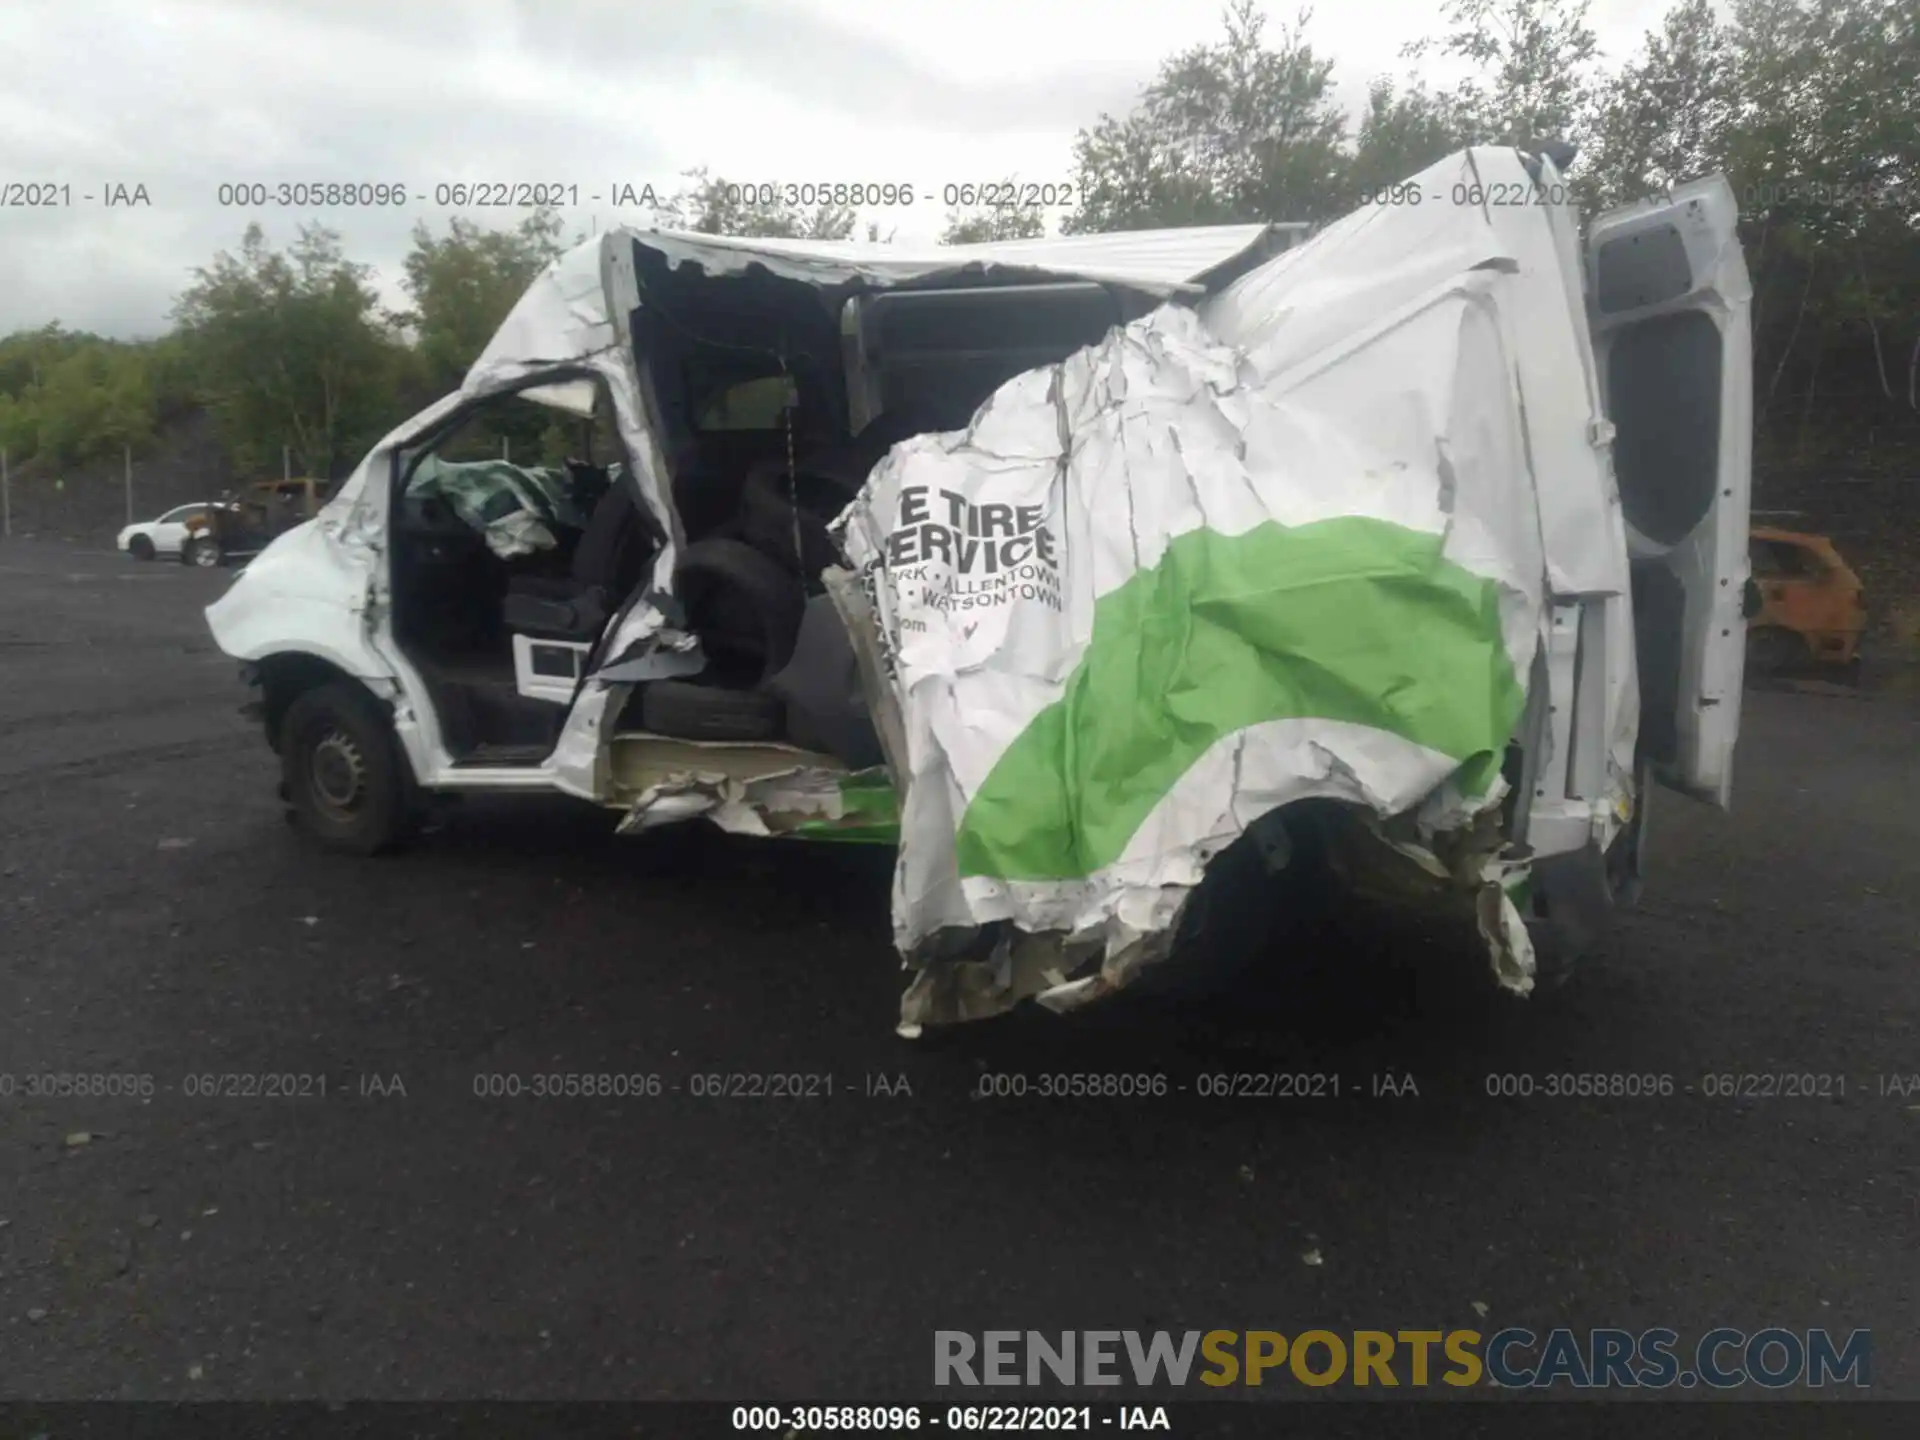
[(616, 545)]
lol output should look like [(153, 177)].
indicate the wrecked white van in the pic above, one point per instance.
[(1066, 564)]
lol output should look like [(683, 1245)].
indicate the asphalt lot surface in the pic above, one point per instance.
[(158, 918)]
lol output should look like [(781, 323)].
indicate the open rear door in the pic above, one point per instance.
[(1669, 296)]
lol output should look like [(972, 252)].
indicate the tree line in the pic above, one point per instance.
[(1809, 106)]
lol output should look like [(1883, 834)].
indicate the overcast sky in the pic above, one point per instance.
[(183, 95)]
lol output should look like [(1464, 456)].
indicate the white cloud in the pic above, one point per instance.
[(182, 95)]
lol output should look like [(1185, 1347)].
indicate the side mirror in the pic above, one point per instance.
[(1750, 599)]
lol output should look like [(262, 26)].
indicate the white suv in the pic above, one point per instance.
[(164, 536)]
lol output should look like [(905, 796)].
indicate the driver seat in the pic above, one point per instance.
[(555, 620), (608, 562)]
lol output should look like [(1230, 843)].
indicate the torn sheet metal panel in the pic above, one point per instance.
[(1285, 547), (1155, 262), (1158, 263), (565, 319), (748, 792), (1378, 255), (562, 319)]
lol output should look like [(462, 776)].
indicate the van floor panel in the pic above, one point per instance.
[(480, 669), (483, 717)]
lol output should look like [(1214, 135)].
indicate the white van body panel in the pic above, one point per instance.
[(574, 317), (1441, 367), (1671, 266)]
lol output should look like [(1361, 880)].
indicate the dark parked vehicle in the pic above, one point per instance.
[(243, 525)]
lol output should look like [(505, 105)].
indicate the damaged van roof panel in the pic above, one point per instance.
[(1282, 546), (1157, 262), (1362, 463), (563, 316)]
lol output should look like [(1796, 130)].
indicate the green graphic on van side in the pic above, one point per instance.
[(870, 812), (1350, 619)]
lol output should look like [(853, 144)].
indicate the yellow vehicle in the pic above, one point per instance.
[(1812, 610), (242, 525)]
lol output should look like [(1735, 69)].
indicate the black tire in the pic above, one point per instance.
[(140, 547), (347, 783), (743, 606), (688, 711), (200, 551)]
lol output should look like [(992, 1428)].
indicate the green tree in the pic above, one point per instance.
[(1128, 177), (1669, 113), (1001, 222), (94, 402), (1536, 70), (73, 396), (1401, 133), (1231, 131), (1825, 132), (465, 282), (26, 355), (712, 205), (1825, 156), (170, 371), (291, 348)]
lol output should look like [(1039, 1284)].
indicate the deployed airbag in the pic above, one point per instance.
[(514, 507)]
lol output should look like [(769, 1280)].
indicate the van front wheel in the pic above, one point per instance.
[(347, 784)]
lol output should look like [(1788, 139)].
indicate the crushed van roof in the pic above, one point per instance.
[(1161, 262), (562, 318)]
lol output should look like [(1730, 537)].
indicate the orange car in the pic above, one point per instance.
[(1811, 606)]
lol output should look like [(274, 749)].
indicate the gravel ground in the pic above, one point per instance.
[(403, 1237)]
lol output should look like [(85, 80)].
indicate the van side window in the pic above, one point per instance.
[(1772, 557), (753, 404)]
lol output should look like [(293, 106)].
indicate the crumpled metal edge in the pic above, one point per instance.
[(767, 805), (1469, 865)]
